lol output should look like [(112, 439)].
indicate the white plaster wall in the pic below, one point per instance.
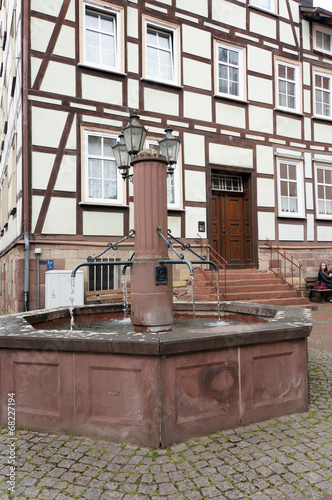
[(161, 102), (196, 74), (289, 127), (295, 10), (307, 165), (286, 33), (197, 106), (264, 159), (133, 93), (61, 216), (70, 16), (310, 227), (263, 25), (101, 89), (71, 140), (196, 41), (103, 224), (290, 232), (195, 189), (306, 34), (41, 32), (221, 154), (194, 149), (324, 233), (261, 119), (259, 60), (230, 115), (266, 226), (260, 89), (50, 7), (227, 13), (265, 192), (132, 57), (309, 196), (199, 7), (307, 129), (283, 11), (174, 224), (193, 215), (66, 180), (322, 132), (65, 45), (42, 164), (35, 65), (132, 22), (307, 101), (60, 79), (47, 126), (306, 73)]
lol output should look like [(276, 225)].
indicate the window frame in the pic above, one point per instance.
[(324, 74), (300, 213), (242, 71), (297, 82), (111, 11), (325, 31), (86, 198), (176, 176), (325, 166), (174, 32), (273, 8)]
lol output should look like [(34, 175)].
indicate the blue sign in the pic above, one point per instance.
[(50, 264)]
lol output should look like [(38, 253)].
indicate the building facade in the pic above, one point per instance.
[(246, 84)]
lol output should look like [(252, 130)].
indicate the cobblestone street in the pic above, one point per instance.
[(285, 458)]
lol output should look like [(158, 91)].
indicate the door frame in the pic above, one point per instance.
[(249, 184)]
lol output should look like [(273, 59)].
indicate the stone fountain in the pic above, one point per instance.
[(154, 385)]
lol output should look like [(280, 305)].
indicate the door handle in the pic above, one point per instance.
[(224, 231)]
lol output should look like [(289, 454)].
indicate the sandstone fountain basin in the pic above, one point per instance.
[(154, 389)]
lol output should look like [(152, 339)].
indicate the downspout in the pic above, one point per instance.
[(26, 271), (25, 148)]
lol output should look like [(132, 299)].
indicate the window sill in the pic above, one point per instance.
[(162, 82), (102, 204), (265, 11), (295, 216), (288, 111), (231, 98), (174, 209), (101, 69), (322, 118)]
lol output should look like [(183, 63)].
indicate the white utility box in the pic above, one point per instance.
[(58, 289)]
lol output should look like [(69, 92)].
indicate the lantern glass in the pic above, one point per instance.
[(169, 147), (134, 135), (122, 158)]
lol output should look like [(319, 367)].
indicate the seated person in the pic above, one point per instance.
[(325, 276)]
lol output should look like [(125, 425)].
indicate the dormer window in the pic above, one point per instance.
[(323, 40)]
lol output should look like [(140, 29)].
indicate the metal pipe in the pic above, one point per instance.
[(87, 264), (26, 271)]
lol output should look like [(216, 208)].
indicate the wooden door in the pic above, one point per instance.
[(230, 228)]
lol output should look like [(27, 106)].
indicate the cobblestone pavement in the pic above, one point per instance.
[(285, 458)]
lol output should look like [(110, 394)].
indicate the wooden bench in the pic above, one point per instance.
[(311, 283), (99, 296)]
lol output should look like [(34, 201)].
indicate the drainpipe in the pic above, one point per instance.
[(26, 271)]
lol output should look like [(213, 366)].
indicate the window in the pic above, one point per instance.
[(173, 181), (230, 71), (323, 40), (161, 53), (264, 4), (221, 182), (324, 191), (288, 85), (291, 195), (322, 94), (101, 38), (103, 183)]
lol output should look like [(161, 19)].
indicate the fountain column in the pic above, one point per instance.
[(151, 303)]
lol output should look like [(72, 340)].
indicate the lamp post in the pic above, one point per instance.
[(151, 299)]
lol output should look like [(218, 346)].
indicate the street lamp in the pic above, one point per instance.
[(169, 147), (131, 142)]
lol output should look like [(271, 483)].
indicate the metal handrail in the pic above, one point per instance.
[(213, 255), (283, 260)]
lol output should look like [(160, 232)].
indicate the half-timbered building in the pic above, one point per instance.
[(246, 84)]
